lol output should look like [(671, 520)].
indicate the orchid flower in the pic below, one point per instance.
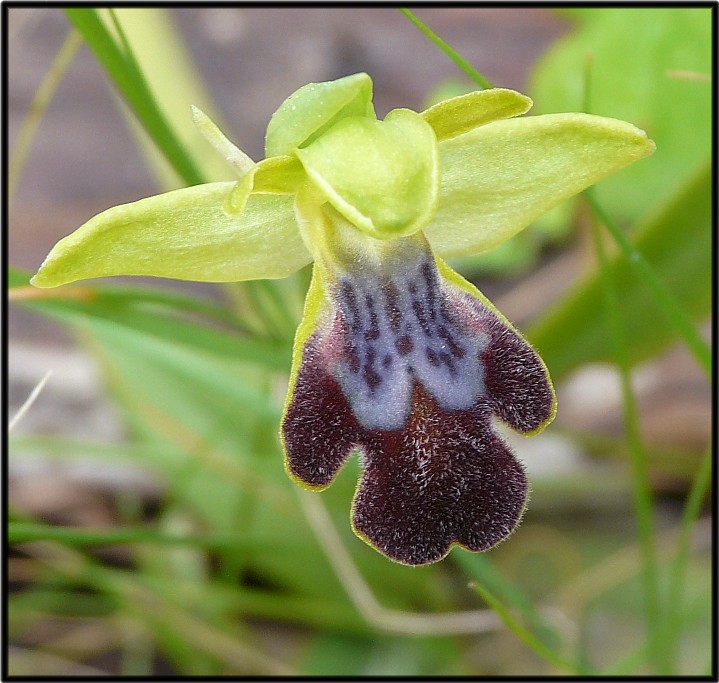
[(397, 358)]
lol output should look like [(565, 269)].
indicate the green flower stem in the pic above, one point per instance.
[(364, 600), (664, 298), (697, 493), (524, 635), (640, 480), (460, 61), (129, 80)]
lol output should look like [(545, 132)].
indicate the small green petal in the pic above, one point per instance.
[(183, 234), (211, 132), (237, 198), (382, 176), (496, 179), (279, 175), (460, 114), (314, 108), (276, 175)]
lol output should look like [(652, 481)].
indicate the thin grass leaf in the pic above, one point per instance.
[(36, 110), (643, 503), (480, 569), (526, 636), (677, 575), (675, 241), (159, 611), (461, 63), (124, 69), (663, 296), (130, 82), (161, 314), (160, 54), (22, 532), (628, 663)]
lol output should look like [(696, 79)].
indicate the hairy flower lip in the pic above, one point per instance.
[(435, 474), (440, 483)]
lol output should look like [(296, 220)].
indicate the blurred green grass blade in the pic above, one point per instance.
[(160, 611), (58, 601), (167, 301), (123, 71), (16, 277), (128, 295), (43, 96), (635, 52), (628, 663), (157, 314), (342, 654), (169, 72), (55, 445), (266, 353), (673, 312), (285, 606), (642, 495), (528, 638), (146, 359), (460, 62), (677, 577), (676, 243), (481, 570), (23, 532), (207, 407), (336, 654)]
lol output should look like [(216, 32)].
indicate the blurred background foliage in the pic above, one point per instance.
[(209, 561)]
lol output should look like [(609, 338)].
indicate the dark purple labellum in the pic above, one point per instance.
[(410, 372)]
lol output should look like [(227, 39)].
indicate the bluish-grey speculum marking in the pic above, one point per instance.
[(401, 328)]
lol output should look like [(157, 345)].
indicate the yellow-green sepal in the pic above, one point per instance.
[(314, 108), (458, 115), (184, 234), (497, 178), (382, 176)]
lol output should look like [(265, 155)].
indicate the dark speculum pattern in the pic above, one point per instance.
[(403, 316)]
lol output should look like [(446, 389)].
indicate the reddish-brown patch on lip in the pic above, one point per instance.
[(319, 429)]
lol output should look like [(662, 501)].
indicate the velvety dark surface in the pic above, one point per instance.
[(442, 475)]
